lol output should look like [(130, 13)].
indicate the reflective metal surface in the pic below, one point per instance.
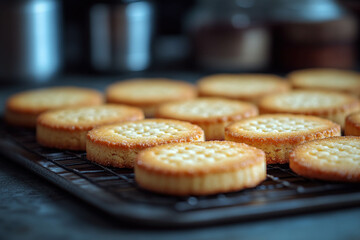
[(121, 35), (29, 40)]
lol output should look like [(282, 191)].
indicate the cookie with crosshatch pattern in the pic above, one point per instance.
[(211, 114), (22, 109), (200, 168), (332, 159), (149, 93), (278, 134), (118, 144), (67, 128), (334, 106), (326, 79), (245, 87)]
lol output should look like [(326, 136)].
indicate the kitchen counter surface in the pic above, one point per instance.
[(32, 208)]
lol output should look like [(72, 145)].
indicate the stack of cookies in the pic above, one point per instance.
[(215, 143)]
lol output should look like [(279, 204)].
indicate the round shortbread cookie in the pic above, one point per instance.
[(246, 87), (334, 106), (333, 159), (118, 144), (211, 114), (67, 128), (326, 79), (23, 108), (149, 93), (200, 168), (278, 134), (352, 124)]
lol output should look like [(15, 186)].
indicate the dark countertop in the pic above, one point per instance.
[(32, 208)]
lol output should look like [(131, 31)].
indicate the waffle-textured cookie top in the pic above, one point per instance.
[(207, 108), (241, 85), (89, 117), (334, 159), (149, 91), (36, 101), (195, 157), (338, 151), (277, 125), (306, 100), (331, 79), (150, 130)]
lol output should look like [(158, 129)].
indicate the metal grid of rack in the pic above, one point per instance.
[(115, 191)]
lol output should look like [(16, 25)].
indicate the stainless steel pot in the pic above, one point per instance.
[(120, 35), (29, 40)]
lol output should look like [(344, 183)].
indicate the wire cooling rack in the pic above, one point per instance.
[(115, 191)]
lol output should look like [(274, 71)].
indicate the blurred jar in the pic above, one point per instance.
[(30, 40), (121, 35), (229, 35), (308, 33)]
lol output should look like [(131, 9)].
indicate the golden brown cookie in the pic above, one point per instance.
[(278, 134), (326, 79), (67, 128), (246, 87), (149, 93), (118, 144), (211, 114), (334, 106), (200, 168), (332, 159), (23, 108), (352, 124)]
